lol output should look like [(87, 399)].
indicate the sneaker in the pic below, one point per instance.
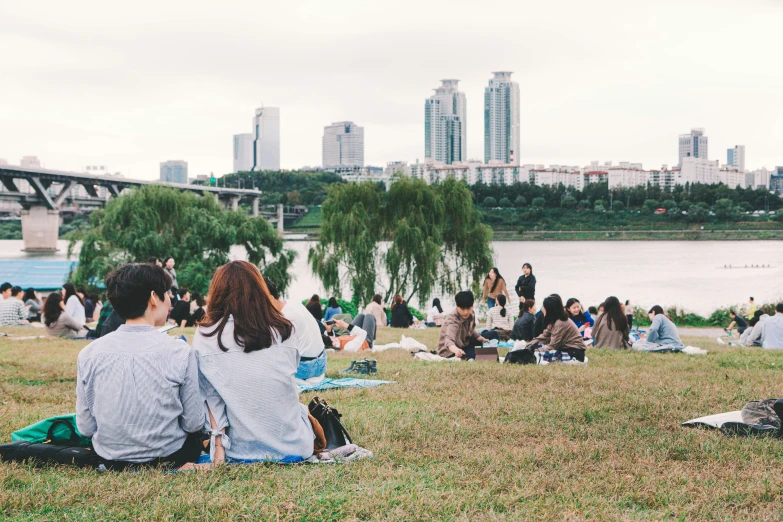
[(720, 341)]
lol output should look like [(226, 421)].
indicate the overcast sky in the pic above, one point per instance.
[(131, 84)]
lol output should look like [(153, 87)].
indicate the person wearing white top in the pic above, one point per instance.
[(247, 361), (73, 304), (500, 322), (435, 315)]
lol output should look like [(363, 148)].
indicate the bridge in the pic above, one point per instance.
[(42, 193)]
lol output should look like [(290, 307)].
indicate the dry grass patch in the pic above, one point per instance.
[(453, 441)]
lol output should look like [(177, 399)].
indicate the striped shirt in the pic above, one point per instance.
[(137, 394), (495, 320), (12, 312), (255, 396)]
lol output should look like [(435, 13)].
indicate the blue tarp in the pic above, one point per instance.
[(30, 273)]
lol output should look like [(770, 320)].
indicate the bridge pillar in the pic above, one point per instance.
[(255, 206), (235, 202), (40, 228), (280, 219)]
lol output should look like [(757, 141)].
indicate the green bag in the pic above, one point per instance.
[(61, 428)]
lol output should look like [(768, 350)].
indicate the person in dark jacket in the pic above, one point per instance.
[(314, 307), (526, 285), (180, 312), (539, 327), (401, 317), (524, 327)]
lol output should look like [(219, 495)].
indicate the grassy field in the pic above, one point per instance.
[(452, 441)]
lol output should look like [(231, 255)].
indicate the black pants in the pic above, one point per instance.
[(189, 452), (629, 318)]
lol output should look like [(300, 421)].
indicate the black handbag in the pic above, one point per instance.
[(523, 356), (54, 451), (329, 419)]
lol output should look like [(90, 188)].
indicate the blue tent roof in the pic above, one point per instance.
[(41, 275)]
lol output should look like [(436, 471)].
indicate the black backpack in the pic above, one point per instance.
[(523, 356), (54, 451)]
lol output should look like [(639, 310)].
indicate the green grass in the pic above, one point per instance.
[(452, 441)]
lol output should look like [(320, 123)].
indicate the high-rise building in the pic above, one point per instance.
[(266, 139), (736, 157), (501, 119), (343, 145), (174, 171), (445, 125), (693, 145), (243, 152)]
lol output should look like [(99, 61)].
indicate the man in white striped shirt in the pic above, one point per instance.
[(137, 389)]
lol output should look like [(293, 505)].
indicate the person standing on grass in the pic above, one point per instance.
[(560, 332), (661, 335), (526, 285), (628, 309), (168, 266), (458, 337), (494, 285), (12, 309), (772, 330), (137, 389)]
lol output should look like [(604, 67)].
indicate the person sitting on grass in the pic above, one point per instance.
[(611, 328), (738, 321), (525, 325), (401, 316), (458, 337), (332, 308), (137, 389), (57, 322), (247, 362), (499, 321), (560, 332), (180, 312), (661, 335), (752, 336), (435, 314), (33, 303), (772, 330), (375, 309), (12, 309), (583, 320)]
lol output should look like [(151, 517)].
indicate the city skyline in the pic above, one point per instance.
[(617, 93)]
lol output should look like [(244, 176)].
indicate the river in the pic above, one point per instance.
[(690, 274)]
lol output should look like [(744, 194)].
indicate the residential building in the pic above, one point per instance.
[(174, 171), (30, 162), (397, 168), (664, 177), (776, 183), (501, 120), (243, 152), (266, 139), (445, 125), (625, 175), (736, 157), (694, 145), (697, 170), (559, 175), (343, 145)]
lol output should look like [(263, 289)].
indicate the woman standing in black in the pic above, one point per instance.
[(526, 285)]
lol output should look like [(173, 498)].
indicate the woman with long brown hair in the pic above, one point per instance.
[(247, 364)]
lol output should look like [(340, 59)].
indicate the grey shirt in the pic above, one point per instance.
[(663, 332), (772, 332), (65, 326), (137, 394)]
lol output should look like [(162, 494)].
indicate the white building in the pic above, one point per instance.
[(243, 152), (625, 174), (174, 171), (760, 178), (501, 120), (266, 139), (445, 124), (732, 178), (694, 145), (30, 162), (697, 170), (557, 175), (736, 157), (343, 145), (397, 168)]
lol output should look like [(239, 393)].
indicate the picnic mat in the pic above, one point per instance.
[(346, 453), (331, 384)]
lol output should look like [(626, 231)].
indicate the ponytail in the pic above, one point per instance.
[(502, 303)]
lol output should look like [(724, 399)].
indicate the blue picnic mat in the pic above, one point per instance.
[(331, 384)]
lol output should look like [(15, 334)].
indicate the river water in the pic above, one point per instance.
[(690, 274)]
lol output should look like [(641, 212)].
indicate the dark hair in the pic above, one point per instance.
[(272, 287), (502, 302), (81, 290), (397, 301), (94, 298), (29, 294), (16, 291), (614, 314), (69, 291), (593, 310), (498, 277), (657, 310), (333, 303), (436, 304), (554, 310), (166, 260), (528, 304), (238, 290), (602, 305), (5, 286), (377, 298), (529, 266), (752, 299), (779, 308), (128, 288), (200, 301), (756, 316), (581, 315), (464, 299), (732, 312), (314, 300), (182, 292), (152, 260), (52, 309)]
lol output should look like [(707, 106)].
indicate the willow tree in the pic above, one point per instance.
[(162, 221), (423, 238)]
